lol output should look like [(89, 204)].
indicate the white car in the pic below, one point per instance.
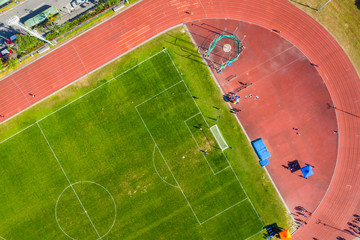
[(77, 3)]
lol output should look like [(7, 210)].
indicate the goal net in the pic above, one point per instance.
[(223, 51), (218, 137)]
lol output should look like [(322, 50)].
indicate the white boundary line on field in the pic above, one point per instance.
[(200, 149), (224, 154), (168, 166), (224, 210), (178, 182), (186, 86), (157, 170), (78, 98), (255, 234), (68, 180), (126, 71), (17, 133), (158, 94), (37, 122), (192, 117), (85, 94), (195, 141), (2, 238)]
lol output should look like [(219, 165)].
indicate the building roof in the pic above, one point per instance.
[(41, 17)]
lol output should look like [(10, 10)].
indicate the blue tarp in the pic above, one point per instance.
[(264, 162), (307, 171), (260, 149)]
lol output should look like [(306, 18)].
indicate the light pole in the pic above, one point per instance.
[(16, 21), (323, 5)]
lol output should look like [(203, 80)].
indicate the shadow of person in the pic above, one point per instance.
[(357, 3)]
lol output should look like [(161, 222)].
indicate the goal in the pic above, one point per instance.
[(218, 137)]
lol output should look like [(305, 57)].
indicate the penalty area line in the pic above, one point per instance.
[(255, 234), (168, 167), (243, 189), (185, 85), (158, 94), (199, 147), (223, 211)]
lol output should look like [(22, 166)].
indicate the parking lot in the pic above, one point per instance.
[(29, 8)]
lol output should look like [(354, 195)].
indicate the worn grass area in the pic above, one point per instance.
[(342, 19), (134, 141)]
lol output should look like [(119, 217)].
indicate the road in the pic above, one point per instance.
[(29, 8)]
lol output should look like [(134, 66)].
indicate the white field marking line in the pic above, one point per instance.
[(244, 190), (221, 170), (2, 238), (185, 85), (57, 201), (17, 133), (84, 95), (157, 170), (168, 166), (200, 149), (208, 164), (255, 234), (223, 211), (68, 180), (158, 94), (192, 116)]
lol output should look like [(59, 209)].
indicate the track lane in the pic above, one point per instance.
[(101, 44)]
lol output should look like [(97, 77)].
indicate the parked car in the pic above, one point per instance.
[(77, 3), (6, 52), (12, 38), (5, 55)]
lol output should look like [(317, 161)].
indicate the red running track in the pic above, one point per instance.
[(150, 17)]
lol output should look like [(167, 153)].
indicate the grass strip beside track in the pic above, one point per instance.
[(341, 19)]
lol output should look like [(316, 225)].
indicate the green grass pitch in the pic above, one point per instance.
[(134, 158)]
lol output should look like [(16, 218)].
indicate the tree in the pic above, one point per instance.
[(27, 43)]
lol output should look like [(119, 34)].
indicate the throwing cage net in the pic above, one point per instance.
[(223, 51)]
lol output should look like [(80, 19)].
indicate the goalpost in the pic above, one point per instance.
[(219, 138)]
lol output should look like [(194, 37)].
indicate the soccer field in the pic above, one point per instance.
[(134, 158)]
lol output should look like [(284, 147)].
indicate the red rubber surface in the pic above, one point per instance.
[(150, 17)]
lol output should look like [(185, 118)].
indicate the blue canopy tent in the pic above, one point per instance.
[(261, 150), (307, 171)]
